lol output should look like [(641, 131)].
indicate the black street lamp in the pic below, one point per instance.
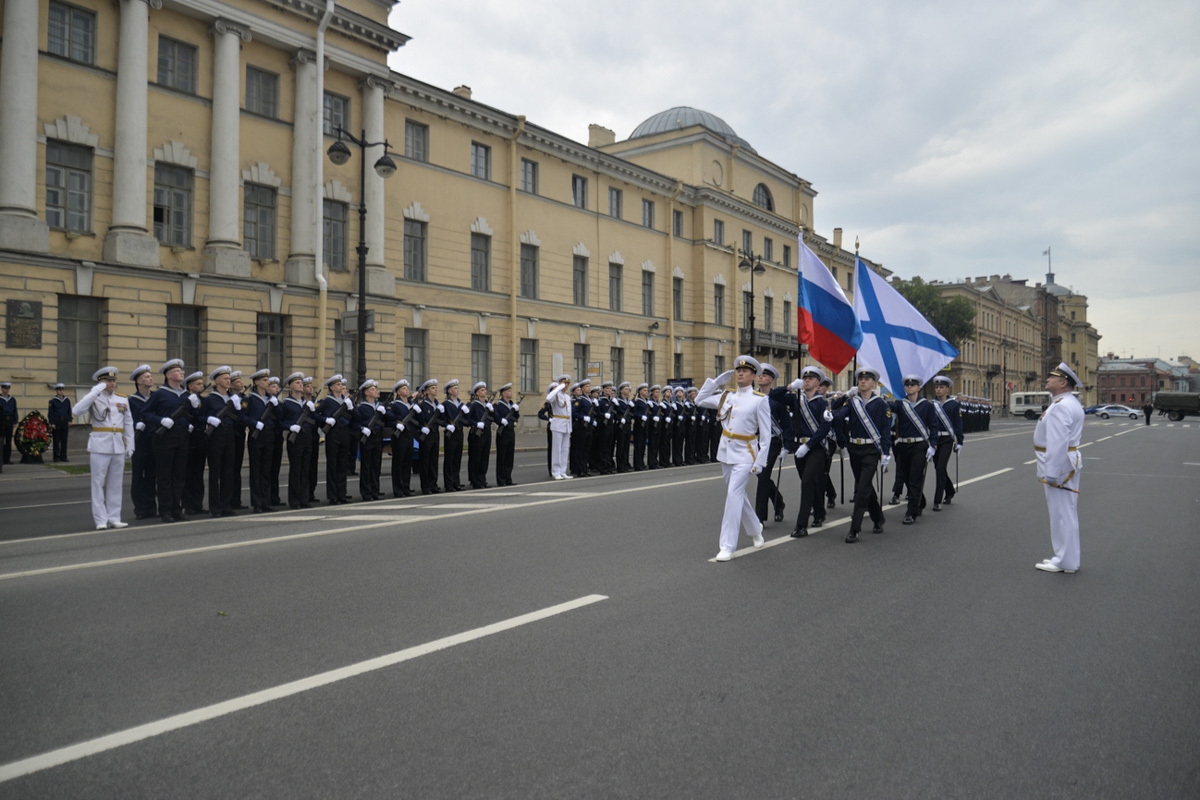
[(752, 264), (339, 154), (1004, 345)]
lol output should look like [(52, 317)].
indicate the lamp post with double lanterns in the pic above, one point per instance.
[(339, 154), (752, 264)]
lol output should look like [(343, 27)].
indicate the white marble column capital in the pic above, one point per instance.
[(304, 57), (225, 26), (376, 82), (155, 4)]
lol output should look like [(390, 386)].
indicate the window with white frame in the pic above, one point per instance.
[(414, 250), (258, 220), (71, 32), (68, 186), (262, 92)]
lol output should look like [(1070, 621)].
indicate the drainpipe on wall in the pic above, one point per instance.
[(671, 271), (319, 205), (514, 176)]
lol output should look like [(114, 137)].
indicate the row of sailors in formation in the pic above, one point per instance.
[(180, 430)]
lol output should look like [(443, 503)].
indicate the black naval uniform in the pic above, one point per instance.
[(277, 450), (453, 445), (479, 443), (602, 436), (299, 448), (402, 441), (544, 414), (811, 430), (914, 423), (261, 446), (768, 492), (372, 417), (430, 418), (220, 450), (239, 453), (171, 447), (59, 416), (339, 446), (581, 435), (8, 420), (865, 448), (197, 461), (506, 440), (141, 483), (949, 433), (622, 429), (641, 432)]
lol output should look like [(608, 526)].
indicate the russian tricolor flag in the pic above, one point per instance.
[(827, 322)]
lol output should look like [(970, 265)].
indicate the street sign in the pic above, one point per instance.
[(350, 321)]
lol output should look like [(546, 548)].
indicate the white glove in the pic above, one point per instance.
[(607, 415), (194, 400), (853, 391), (424, 430), (504, 422), (237, 402), (488, 406), (141, 426), (329, 422), (643, 417), (216, 423), (479, 425), (97, 389), (273, 400), (349, 403), (129, 453), (724, 377), (259, 425), (366, 432), (294, 429), (828, 415), (796, 385), (191, 428), (802, 451), (586, 418), (656, 419), (930, 453), (957, 447), (399, 426), (311, 405), (450, 429), (516, 407), (755, 469), (441, 409), (379, 407), (668, 420), (785, 452), (884, 461), (167, 423)]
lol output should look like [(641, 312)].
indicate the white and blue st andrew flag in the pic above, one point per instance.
[(897, 340)]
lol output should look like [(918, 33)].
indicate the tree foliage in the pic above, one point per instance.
[(954, 317)]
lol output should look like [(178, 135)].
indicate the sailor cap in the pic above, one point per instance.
[(308, 379), (563, 377), (396, 386), (174, 363), (452, 382), (334, 379), (870, 372), (944, 380), (367, 384), (104, 373), (622, 385), (656, 388), (1063, 371), (606, 384), (5, 385), (262, 373), (427, 384), (748, 362), (237, 373), (63, 385), (812, 372), (195, 376), (769, 369), (478, 385), (641, 386), (295, 376), (502, 388), (273, 379), (139, 371), (915, 378), (222, 370)]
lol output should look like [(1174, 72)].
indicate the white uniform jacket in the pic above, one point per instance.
[(1056, 439), (745, 417), (112, 422), (560, 409)]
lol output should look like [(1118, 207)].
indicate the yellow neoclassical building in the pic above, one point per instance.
[(165, 191)]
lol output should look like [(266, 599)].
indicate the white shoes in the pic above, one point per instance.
[(118, 524), (559, 477), (724, 555), (101, 527), (1046, 566), (758, 540)]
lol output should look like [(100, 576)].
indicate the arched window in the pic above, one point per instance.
[(762, 197)]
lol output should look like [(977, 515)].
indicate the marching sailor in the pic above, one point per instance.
[(1056, 442), (866, 432), (745, 418), (915, 421), (777, 398), (812, 423), (949, 438), (109, 444)]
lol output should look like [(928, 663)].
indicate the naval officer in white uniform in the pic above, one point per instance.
[(109, 443), (560, 428), (745, 418), (1056, 442)]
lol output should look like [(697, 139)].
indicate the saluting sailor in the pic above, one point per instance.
[(560, 427), (865, 422), (1059, 462), (109, 443), (745, 417)]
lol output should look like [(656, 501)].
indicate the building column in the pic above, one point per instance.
[(20, 227), (223, 254), (128, 240), (379, 280), (306, 200)]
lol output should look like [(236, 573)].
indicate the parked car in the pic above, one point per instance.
[(1104, 412), (1091, 409)]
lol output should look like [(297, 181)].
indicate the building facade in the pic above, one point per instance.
[(165, 192)]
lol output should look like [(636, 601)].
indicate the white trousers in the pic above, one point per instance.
[(108, 475), (560, 452), (739, 511), (1064, 524)]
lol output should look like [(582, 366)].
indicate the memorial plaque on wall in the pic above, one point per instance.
[(23, 328)]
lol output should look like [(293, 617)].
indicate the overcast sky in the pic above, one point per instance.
[(954, 138)]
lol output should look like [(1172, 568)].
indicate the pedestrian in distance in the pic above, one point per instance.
[(58, 414), (1059, 462)]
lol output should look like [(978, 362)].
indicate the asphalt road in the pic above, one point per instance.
[(574, 639)]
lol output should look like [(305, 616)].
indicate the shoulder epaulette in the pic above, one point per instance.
[(760, 394)]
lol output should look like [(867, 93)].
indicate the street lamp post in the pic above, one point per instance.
[(752, 264), (339, 154), (1004, 345)]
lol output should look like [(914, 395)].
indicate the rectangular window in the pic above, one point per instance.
[(262, 92), (272, 343), (579, 273), (615, 286), (258, 221), (481, 262), (677, 223), (677, 297), (768, 249), (416, 141), (345, 350), (68, 187), (529, 366), (579, 191), (334, 243), (768, 314), (176, 65), (647, 293), (529, 176), (648, 366), (616, 355), (183, 335), (481, 358), (414, 250), (747, 309), (337, 114), (481, 161), (78, 338), (416, 355), (747, 242), (718, 365), (581, 360), (787, 318), (718, 305), (648, 213), (72, 33), (616, 202), (787, 256), (718, 231), (529, 270), (173, 205)]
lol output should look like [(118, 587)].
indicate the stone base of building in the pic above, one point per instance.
[(231, 262), (380, 282), (131, 247), (21, 232)]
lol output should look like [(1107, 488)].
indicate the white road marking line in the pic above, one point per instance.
[(46, 505), (1122, 433), (1191, 463), (339, 530), (1106, 438), (1032, 461), (64, 755)]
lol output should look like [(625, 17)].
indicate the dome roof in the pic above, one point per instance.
[(685, 117)]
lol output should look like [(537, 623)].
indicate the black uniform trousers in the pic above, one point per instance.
[(452, 460), (221, 451), (811, 470), (621, 448), (193, 486), (678, 434), (338, 443), (277, 448), (714, 440), (909, 458), (314, 447), (141, 483), (261, 450), (61, 430), (428, 466), (944, 487), (666, 432), (653, 436), (506, 448), (640, 435), (864, 461), (300, 453), (402, 464), (549, 449), (830, 492), (767, 490), (7, 433), (170, 468), (479, 454), (239, 461), (371, 458)]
